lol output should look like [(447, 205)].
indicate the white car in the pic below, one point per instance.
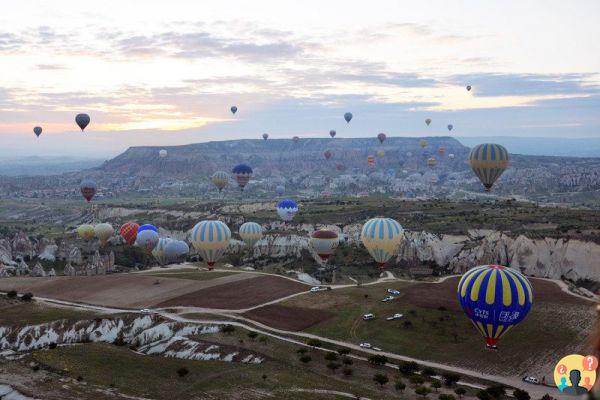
[(531, 379), (365, 345), (395, 316), (393, 291), (388, 298), (146, 311), (368, 317), (376, 348), (316, 289)]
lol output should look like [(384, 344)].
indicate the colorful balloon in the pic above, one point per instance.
[(211, 239), (85, 231), (82, 120), (348, 116), (381, 137), (431, 162), (242, 174), (380, 153), (147, 239), (250, 232), (423, 143), (37, 130), (324, 242), (103, 232), (442, 150), (327, 154), (296, 139), (280, 190), (88, 189), (147, 227), (371, 161), (488, 161), (220, 179), (159, 250), (332, 133), (382, 238), (176, 250), (129, 232), (233, 109), (495, 298), (287, 209), (162, 153)]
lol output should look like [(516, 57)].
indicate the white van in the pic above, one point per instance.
[(368, 317)]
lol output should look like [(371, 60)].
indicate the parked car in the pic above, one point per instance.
[(365, 345), (368, 317), (315, 289), (376, 348), (146, 311), (531, 379), (388, 298), (393, 292), (395, 316)]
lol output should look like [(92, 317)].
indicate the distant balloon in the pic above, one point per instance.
[(423, 143), (280, 190), (433, 179), (495, 298), (233, 109), (82, 120), (103, 232), (147, 239), (296, 139), (371, 161), (88, 189), (242, 174), (37, 130), (129, 232), (428, 121), (381, 137), (380, 153), (468, 88), (250, 232), (450, 127), (220, 179), (265, 136), (85, 231), (348, 116), (326, 194), (382, 238), (332, 133), (211, 239), (451, 156), (442, 150), (147, 227), (340, 166), (159, 250), (431, 162), (162, 153), (488, 161), (327, 154), (176, 250), (324, 242), (287, 209)]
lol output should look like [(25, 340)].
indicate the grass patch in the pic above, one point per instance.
[(16, 312)]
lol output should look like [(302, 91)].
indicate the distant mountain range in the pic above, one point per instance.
[(541, 146)]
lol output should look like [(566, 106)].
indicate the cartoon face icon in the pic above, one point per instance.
[(575, 374)]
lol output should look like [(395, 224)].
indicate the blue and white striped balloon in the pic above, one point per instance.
[(287, 209), (250, 232), (382, 238), (211, 239)]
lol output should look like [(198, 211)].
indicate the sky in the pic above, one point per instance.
[(167, 72)]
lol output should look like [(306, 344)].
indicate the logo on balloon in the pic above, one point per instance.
[(575, 374)]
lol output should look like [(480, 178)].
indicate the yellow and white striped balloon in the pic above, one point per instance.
[(382, 238), (250, 232), (211, 239)]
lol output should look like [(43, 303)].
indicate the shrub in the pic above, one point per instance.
[(301, 350), (521, 394), (407, 324), (400, 386), (314, 342), (183, 371), (422, 391), (380, 379), (262, 339), (306, 358), (450, 378), (483, 395), (496, 391), (27, 297), (343, 351), (460, 391), (436, 385), (347, 361), (416, 380), (11, 294), (378, 359), (347, 371), (408, 367), (333, 366), (331, 357), (52, 345), (428, 371), (252, 335), (228, 329)]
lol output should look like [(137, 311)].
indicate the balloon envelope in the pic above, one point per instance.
[(332, 133), (220, 179), (280, 190), (381, 137), (382, 238), (211, 239), (488, 161), (162, 153), (159, 250), (242, 174), (295, 139), (85, 231), (250, 232), (147, 227), (348, 116), (469, 88), (233, 109), (265, 136), (147, 239), (37, 130), (327, 154), (287, 209), (103, 232), (129, 232), (82, 120), (450, 127), (423, 143), (88, 189), (428, 121), (324, 242), (495, 298)]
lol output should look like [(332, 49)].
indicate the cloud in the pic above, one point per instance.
[(50, 67)]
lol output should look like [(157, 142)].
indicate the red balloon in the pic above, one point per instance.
[(129, 232), (381, 137), (327, 154)]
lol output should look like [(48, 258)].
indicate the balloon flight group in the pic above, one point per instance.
[(493, 297)]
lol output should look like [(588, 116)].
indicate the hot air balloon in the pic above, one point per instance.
[(340, 166), (382, 238), (85, 231), (327, 154), (233, 109), (423, 143), (162, 153), (450, 127), (103, 232), (220, 179), (324, 242), (451, 156), (431, 162), (159, 250), (468, 88), (495, 298), (147, 239), (442, 150), (82, 120), (371, 161), (265, 136), (332, 133), (280, 190), (326, 194), (37, 130), (380, 153), (433, 179), (211, 239), (250, 232), (381, 137), (488, 161), (287, 209), (176, 250), (296, 139), (88, 189), (242, 174), (147, 227), (428, 121), (348, 116), (129, 232)]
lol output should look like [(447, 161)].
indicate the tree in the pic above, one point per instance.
[(301, 350), (408, 367), (380, 379), (343, 351), (496, 391), (428, 371), (252, 335), (422, 391), (262, 339), (400, 386), (450, 378), (521, 394), (183, 371), (314, 342), (27, 297), (333, 366), (460, 392), (306, 359), (436, 385), (228, 329), (483, 395), (331, 357), (378, 359), (416, 380), (11, 294)]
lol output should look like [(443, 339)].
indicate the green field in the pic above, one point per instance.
[(17, 312), (445, 335)]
